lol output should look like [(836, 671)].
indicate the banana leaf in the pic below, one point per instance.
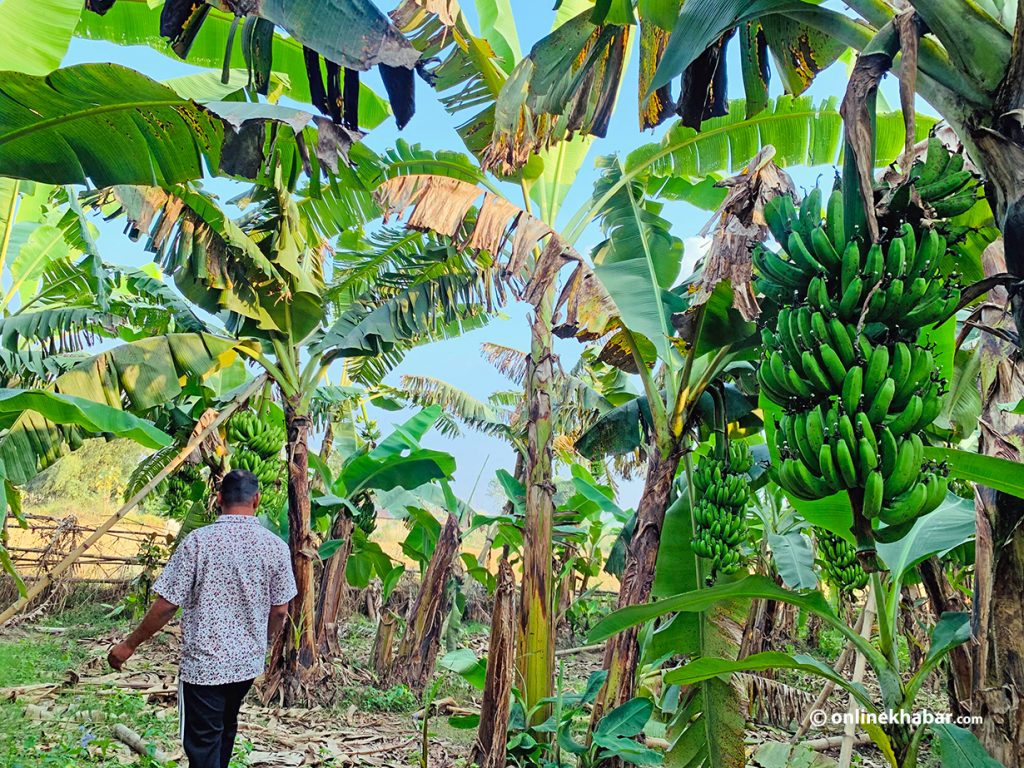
[(35, 34), (108, 124), (133, 378)]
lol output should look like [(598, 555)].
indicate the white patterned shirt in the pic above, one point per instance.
[(226, 576)]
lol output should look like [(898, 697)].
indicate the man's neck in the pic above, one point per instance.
[(240, 511)]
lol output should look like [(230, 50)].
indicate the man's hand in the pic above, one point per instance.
[(119, 654), (156, 617)]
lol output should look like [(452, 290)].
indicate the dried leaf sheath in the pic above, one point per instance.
[(739, 225), (443, 205)]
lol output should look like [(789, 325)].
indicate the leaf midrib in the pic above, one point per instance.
[(92, 112)]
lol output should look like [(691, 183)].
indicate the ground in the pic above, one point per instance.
[(60, 704)]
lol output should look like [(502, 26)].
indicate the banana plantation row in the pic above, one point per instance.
[(825, 407)]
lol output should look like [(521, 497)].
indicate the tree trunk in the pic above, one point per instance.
[(998, 605), (942, 598), (622, 654), (535, 653), (757, 629), (414, 663), (492, 734), (333, 587), (300, 652), (384, 643)]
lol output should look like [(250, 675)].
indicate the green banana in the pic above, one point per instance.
[(936, 160), (874, 487), (852, 387)]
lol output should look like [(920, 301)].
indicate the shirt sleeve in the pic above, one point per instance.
[(176, 582), (282, 580)]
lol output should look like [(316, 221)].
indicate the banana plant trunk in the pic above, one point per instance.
[(535, 650), (300, 652), (998, 609), (622, 654), (333, 587), (492, 733), (413, 664)]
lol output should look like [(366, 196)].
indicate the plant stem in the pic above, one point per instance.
[(885, 629), (658, 413)]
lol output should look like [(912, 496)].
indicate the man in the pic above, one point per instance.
[(233, 580)]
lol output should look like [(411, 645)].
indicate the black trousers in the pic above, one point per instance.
[(210, 722)]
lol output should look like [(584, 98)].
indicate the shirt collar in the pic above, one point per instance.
[(225, 518)]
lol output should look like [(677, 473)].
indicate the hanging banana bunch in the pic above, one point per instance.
[(942, 182), (179, 495), (839, 564), (256, 446), (844, 360), (722, 493)]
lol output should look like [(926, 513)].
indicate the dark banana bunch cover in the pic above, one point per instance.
[(256, 447), (722, 493), (844, 361)]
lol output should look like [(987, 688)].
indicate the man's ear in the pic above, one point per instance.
[(220, 504), (256, 500)]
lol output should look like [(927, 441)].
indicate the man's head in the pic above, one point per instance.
[(239, 493)]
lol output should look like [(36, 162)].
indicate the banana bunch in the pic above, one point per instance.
[(248, 429), (266, 470), (942, 182), (178, 495), (839, 563), (808, 252), (844, 363), (256, 447), (832, 279), (720, 515)]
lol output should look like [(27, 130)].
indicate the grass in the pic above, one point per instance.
[(82, 736)]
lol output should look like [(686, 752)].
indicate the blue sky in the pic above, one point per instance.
[(458, 361)]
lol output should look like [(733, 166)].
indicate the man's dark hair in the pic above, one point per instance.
[(238, 488)]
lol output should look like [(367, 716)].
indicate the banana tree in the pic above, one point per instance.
[(966, 60)]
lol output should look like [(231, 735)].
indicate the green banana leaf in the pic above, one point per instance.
[(962, 409), (110, 125), (91, 416), (990, 471), (103, 123), (398, 461), (957, 747), (640, 259), (794, 559), (35, 34), (803, 133), (748, 587), (702, 22), (133, 377), (949, 526), (708, 667), (135, 23)]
